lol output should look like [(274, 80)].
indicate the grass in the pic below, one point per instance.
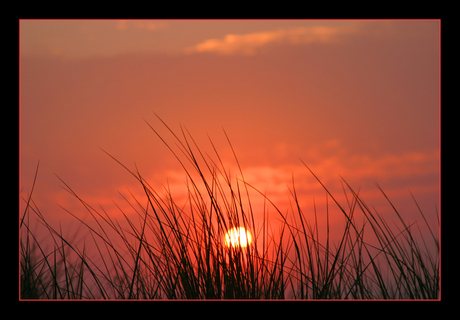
[(167, 250)]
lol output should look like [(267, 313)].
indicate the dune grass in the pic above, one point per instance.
[(167, 250)]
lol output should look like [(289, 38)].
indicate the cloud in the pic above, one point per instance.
[(251, 43)]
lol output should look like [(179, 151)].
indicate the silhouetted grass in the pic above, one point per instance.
[(166, 250)]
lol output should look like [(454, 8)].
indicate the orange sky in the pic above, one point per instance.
[(358, 99)]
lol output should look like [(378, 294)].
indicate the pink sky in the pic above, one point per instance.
[(358, 99)]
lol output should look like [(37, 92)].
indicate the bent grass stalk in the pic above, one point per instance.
[(178, 251)]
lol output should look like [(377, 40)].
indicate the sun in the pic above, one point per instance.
[(238, 237)]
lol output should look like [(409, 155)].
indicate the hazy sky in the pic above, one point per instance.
[(358, 99)]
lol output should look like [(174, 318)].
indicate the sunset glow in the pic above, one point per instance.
[(357, 99), (223, 117)]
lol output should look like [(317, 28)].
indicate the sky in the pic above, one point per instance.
[(352, 99)]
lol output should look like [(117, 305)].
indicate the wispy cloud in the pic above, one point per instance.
[(251, 43)]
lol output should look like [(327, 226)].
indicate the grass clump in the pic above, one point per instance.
[(168, 250)]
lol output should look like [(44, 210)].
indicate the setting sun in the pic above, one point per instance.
[(238, 237)]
